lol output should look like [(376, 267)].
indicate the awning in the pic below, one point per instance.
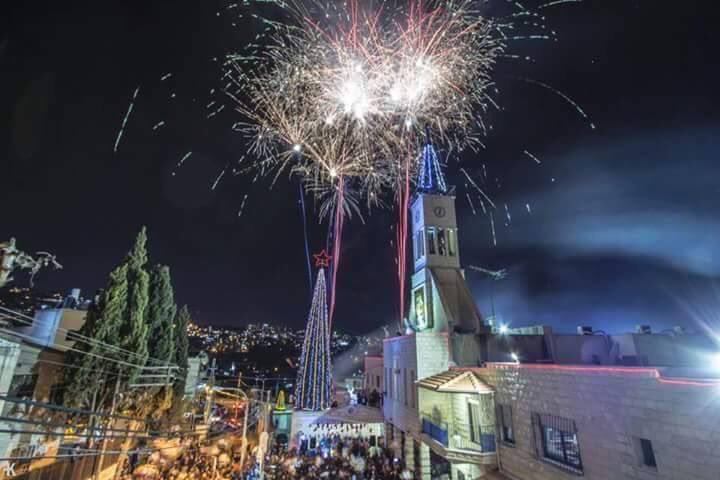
[(455, 381)]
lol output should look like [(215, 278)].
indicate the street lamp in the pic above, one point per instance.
[(245, 422)]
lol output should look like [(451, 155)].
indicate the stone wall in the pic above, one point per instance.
[(400, 363), (613, 408)]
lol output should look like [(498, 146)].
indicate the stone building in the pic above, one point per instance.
[(462, 401)]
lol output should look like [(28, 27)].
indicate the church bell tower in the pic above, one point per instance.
[(440, 301)]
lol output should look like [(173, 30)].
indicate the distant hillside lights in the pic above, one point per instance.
[(243, 339)]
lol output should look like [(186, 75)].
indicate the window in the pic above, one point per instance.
[(505, 420), (412, 389), (421, 320), (452, 250), (442, 242), (22, 386), (395, 379), (431, 241), (391, 383), (419, 245), (646, 453), (377, 381), (406, 390), (558, 442), (473, 419)]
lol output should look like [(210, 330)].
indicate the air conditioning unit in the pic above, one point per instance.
[(584, 330), (643, 329)]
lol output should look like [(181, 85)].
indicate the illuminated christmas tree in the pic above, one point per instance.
[(280, 404), (312, 391)]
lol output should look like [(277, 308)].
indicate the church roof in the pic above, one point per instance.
[(455, 381)]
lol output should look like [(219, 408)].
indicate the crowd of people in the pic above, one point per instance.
[(193, 463), (370, 399), (335, 458)]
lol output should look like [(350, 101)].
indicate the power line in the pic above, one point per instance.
[(62, 347), (151, 433), (52, 406), (30, 321)]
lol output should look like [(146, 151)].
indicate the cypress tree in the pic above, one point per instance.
[(134, 330), (181, 342), (182, 320), (103, 322), (117, 320), (161, 313)]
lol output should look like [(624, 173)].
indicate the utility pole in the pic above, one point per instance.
[(239, 383), (209, 393)]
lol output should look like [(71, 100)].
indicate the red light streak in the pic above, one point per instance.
[(337, 240), (403, 203), (646, 371)]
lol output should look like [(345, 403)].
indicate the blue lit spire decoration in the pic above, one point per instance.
[(312, 389), (431, 179)]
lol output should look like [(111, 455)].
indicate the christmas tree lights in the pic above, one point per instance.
[(312, 391)]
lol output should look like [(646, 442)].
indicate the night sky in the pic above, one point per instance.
[(622, 229)]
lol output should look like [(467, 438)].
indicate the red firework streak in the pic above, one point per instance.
[(337, 240), (403, 205)]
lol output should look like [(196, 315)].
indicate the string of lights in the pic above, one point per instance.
[(312, 391)]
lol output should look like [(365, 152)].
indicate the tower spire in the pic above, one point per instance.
[(431, 179)]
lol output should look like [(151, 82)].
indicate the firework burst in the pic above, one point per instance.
[(346, 96)]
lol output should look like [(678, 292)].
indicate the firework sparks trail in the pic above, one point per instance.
[(475, 185), (470, 202), (533, 157), (217, 180), (124, 122), (180, 163), (564, 96), (242, 205), (301, 193), (558, 2), (492, 229)]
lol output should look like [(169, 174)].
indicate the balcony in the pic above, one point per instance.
[(483, 440), (439, 433)]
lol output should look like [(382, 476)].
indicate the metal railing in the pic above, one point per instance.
[(436, 432), (484, 440)]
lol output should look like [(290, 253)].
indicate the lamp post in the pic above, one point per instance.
[(245, 422)]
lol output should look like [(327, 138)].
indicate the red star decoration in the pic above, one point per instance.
[(322, 259)]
